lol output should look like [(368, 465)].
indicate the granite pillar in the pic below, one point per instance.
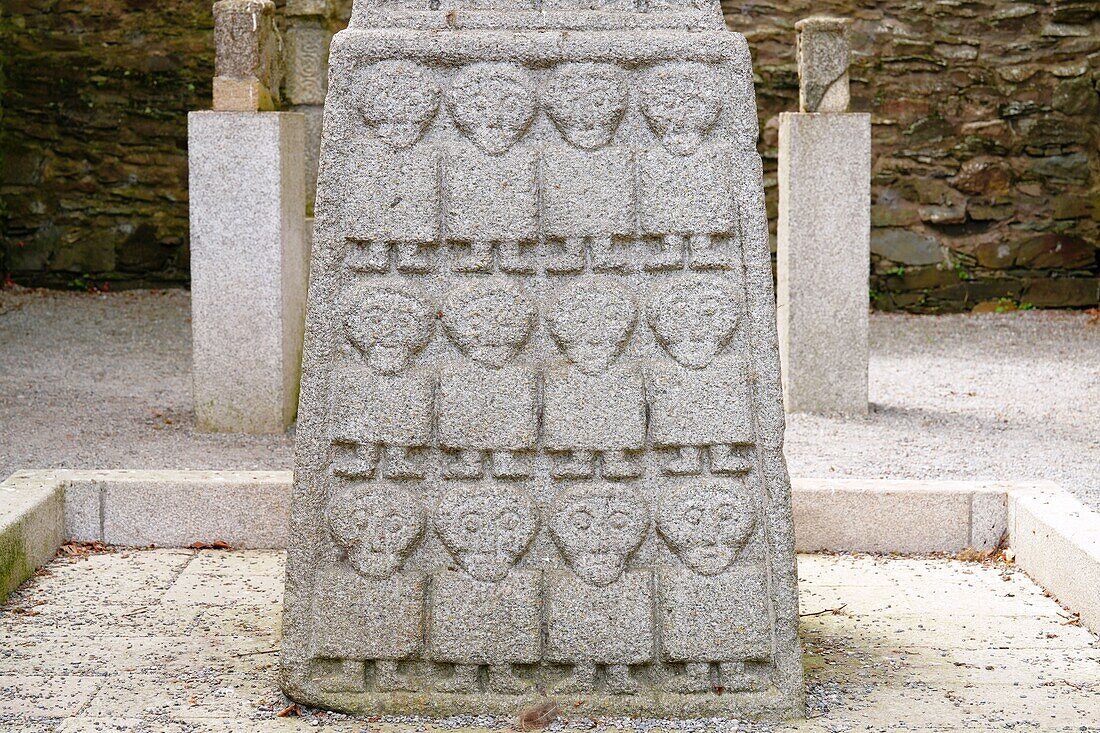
[(249, 267), (823, 257)]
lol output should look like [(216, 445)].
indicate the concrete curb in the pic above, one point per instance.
[(1057, 543), (32, 520), (1056, 538)]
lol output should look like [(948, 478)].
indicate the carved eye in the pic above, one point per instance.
[(727, 512), (472, 522), (582, 519), (396, 525), (694, 515), (619, 520)]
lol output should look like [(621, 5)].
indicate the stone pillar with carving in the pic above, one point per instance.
[(541, 431), (248, 56), (308, 34), (823, 257), (249, 237)]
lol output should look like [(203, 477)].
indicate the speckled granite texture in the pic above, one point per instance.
[(540, 438)]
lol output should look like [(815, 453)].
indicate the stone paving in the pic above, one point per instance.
[(185, 640)]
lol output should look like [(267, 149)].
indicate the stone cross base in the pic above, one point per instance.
[(249, 267), (824, 251)]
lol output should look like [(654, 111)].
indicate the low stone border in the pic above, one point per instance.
[(1056, 539)]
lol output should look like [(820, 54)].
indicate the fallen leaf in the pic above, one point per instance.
[(215, 545), (537, 717), (290, 710)]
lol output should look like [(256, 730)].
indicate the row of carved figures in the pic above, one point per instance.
[(713, 612), (494, 103), (505, 199), (587, 403)]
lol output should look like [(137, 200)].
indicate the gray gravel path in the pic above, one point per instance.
[(103, 381)]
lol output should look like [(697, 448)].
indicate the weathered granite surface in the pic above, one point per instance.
[(822, 260), (248, 56), (824, 53), (249, 268), (540, 436)]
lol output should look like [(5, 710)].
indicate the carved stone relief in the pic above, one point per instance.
[(574, 483), (487, 401), (375, 526), (593, 405), (486, 533), (381, 405), (307, 62), (699, 398), (686, 184)]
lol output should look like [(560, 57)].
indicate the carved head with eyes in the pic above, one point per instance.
[(398, 99), (597, 528), (493, 104), (488, 321), (388, 324), (681, 101), (586, 102), (591, 322), (707, 525), (377, 526), (694, 319), (486, 530)]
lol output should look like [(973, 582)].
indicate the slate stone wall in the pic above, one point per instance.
[(986, 132), (986, 178), (94, 176)]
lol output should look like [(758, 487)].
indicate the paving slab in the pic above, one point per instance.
[(890, 644)]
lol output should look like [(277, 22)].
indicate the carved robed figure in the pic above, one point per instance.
[(540, 434)]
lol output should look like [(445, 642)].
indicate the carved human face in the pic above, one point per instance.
[(398, 99), (597, 529), (376, 526), (707, 525), (586, 102), (682, 102), (591, 322), (493, 104), (694, 320), (486, 530), (488, 322), (388, 326)]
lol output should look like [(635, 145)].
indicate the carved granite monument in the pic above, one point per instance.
[(540, 443)]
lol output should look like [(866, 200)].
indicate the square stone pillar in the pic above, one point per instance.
[(824, 230), (249, 267), (823, 260)]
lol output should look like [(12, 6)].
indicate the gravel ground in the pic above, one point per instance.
[(103, 381)]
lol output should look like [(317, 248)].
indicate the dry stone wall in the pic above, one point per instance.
[(986, 124), (986, 132), (94, 173)]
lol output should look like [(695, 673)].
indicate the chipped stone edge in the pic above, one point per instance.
[(1056, 539)]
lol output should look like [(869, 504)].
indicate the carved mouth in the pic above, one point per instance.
[(388, 359), (599, 568), (374, 564), (486, 566), (708, 559)]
